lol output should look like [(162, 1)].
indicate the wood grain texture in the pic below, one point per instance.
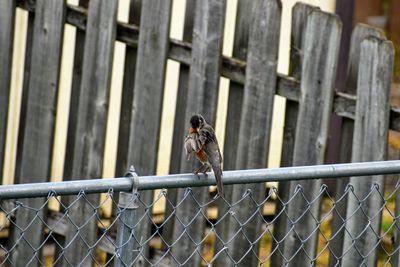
[(7, 11), (359, 34), (369, 144), (235, 100), (202, 98), (321, 47), (300, 13), (255, 121), (91, 123), (149, 86), (37, 139)]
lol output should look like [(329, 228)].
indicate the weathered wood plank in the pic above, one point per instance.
[(202, 98), (148, 93), (359, 34), (235, 99), (369, 144), (7, 11), (300, 13), (179, 124), (91, 123), (321, 47), (37, 141), (255, 121)]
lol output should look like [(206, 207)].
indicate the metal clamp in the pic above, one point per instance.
[(130, 200)]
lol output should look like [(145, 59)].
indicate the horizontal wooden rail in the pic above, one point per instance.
[(232, 68)]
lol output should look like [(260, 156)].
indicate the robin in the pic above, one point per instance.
[(203, 141)]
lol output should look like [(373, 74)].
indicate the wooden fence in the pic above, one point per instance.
[(254, 81)]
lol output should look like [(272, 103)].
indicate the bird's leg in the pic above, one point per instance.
[(202, 170), (208, 168)]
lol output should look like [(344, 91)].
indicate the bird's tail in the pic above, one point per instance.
[(218, 177)]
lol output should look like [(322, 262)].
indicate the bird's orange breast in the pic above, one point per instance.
[(192, 130), (201, 155)]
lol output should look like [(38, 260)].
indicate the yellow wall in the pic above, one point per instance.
[(170, 89)]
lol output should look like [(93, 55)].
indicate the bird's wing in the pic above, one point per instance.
[(209, 142), (207, 135)]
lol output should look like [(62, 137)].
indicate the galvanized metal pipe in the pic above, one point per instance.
[(190, 180)]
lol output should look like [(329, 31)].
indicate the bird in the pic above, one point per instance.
[(202, 141)]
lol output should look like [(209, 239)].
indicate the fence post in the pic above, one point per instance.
[(128, 244), (126, 103), (369, 144), (321, 47), (300, 13), (360, 33), (7, 11)]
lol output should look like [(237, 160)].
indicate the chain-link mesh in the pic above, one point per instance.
[(64, 231)]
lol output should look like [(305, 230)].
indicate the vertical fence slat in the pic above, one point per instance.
[(202, 98), (321, 46), (148, 93), (256, 118), (235, 100), (369, 144), (300, 13), (7, 11), (91, 125), (37, 140), (179, 123), (74, 99), (360, 33)]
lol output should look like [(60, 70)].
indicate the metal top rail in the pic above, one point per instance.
[(190, 180)]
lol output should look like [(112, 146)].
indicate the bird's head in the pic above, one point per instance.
[(197, 121)]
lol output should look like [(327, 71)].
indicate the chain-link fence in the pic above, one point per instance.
[(111, 232)]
